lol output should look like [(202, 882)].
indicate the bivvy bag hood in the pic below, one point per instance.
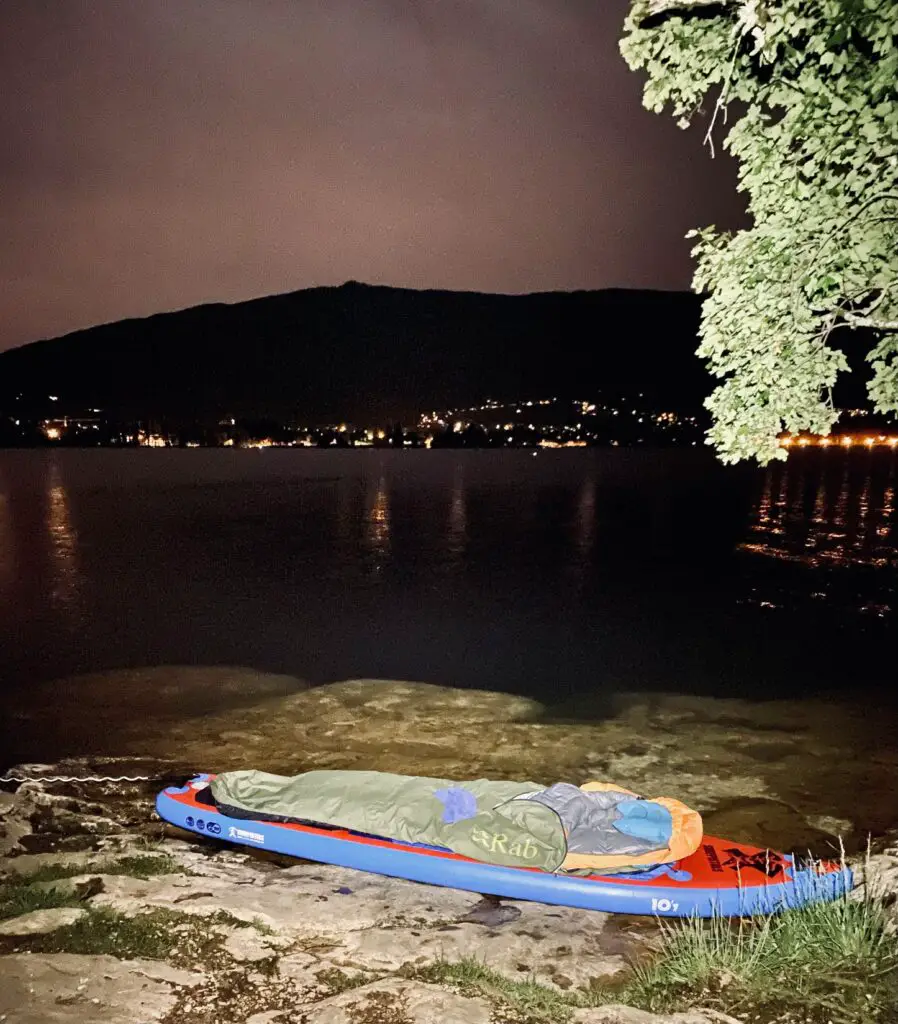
[(596, 826)]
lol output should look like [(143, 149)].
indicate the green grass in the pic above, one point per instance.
[(530, 1001), (17, 899), (105, 932), (20, 894), (828, 961), (337, 981), (142, 865), (161, 934)]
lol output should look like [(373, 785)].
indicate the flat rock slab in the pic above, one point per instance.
[(560, 948), (400, 1002), (630, 1015), (7, 802), (40, 922), (379, 924), (63, 988)]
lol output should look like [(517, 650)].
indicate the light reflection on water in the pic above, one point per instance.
[(834, 514), (457, 535), (586, 518), (377, 520), (62, 542), (39, 543), (496, 570), (852, 520)]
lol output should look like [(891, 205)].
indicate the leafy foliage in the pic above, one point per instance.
[(809, 89)]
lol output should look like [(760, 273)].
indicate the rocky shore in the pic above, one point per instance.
[(156, 927), (107, 916)]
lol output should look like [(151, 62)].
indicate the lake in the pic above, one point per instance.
[(546, 575), (652, 618)]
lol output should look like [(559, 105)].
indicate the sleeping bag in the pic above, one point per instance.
[(563, 827)]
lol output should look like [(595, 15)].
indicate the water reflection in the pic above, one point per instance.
[(344, 513), (888, 508), (833, 514), (62, 541), (7, 546), (586, 517), (840, 518), (457, 530), (377, 526), (584, 530)]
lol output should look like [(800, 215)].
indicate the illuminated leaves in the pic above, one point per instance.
[(806, 92)]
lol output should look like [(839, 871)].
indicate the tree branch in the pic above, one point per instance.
[(656, 7), (855, 320)]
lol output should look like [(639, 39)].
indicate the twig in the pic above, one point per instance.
[(724, 90)]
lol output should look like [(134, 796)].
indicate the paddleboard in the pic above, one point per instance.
[(722, 878)]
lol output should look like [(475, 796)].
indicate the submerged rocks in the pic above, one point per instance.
[(780, 772)]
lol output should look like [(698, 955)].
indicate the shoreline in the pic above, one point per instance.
[(120, 918)]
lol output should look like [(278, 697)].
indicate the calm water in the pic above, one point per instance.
[(545, 575)]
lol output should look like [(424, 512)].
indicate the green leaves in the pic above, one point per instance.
[(816, 136)]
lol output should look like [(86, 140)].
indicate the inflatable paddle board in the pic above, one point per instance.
[(722, 878)]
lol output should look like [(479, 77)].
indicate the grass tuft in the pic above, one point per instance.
[(22, 894), (161, 934), (17, 899), (141, 865), (105, 932), (825, 963), (336, 981), (530, 1000), (830, 961)]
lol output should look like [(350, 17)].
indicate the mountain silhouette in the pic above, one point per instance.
[(371, 352)]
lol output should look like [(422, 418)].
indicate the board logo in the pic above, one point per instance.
[(663, 906), (713, 859), (241, 833), (765, 861), (189, 822), (213, 827)]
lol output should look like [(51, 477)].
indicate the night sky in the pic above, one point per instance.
[(162, 153)]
